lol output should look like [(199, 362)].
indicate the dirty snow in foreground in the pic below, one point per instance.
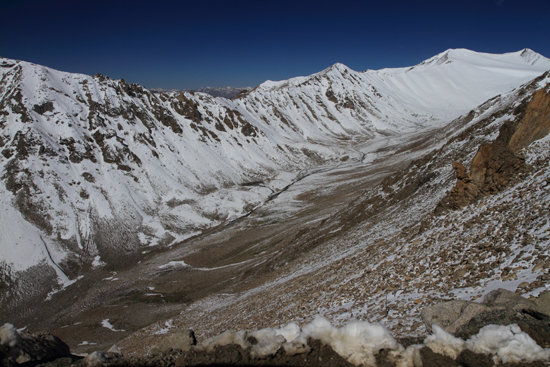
[(360, 341)]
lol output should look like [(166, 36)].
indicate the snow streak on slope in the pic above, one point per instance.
[(98, 170)]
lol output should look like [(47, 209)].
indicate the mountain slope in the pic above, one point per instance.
[(98, 172), (388, 254)]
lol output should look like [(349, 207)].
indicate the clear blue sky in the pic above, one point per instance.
[(192, 44)]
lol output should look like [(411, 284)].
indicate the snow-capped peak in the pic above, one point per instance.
[(531, 57), (335, 69), (339, 67), (511, 59), (438, 59)]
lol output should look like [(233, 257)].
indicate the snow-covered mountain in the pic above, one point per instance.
[(341, 102), (97, 171)]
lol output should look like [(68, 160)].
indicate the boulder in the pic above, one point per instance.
[(29, 348), (181, 340), (499, 307), (41, 348), (504, 298), (543, 302), (452, 315)]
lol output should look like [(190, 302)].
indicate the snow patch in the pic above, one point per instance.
[(357, 341), (106, 324), (9, 336), (174, 264), (507, 344), (168, 325), (444, 343)]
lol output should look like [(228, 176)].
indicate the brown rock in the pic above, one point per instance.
[(543, 302), (470, 359), (505, 298), (460, 273), (451, 315), (536, 123)]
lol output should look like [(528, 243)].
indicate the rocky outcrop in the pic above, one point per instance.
[(536, 123), (464, 192), (498, 163)]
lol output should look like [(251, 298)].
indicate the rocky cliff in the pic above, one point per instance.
[(499, 163)]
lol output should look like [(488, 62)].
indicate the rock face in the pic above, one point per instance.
[(499, 307), (498, 163), (536, 123), (465, 190)]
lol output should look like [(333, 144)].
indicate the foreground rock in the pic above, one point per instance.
[(319, 354), (357, 344), (464, 319), (30, 349), (181, 340)]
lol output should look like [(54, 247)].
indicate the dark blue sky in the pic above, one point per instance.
[(192, 44)]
